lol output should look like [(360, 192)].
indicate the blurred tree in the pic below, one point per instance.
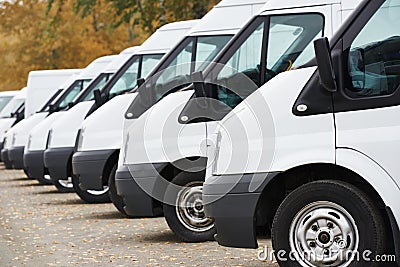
[(54, 34)]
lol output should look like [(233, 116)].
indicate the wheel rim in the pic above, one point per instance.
[(190, 209), (323, 234), (98, 192), (66, 183)]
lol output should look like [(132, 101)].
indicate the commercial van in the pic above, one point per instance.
[(12, 113), (5, 98), (313, 153), (63, 132), (95, 162), (31, 136), (165, 148), (41, 86)]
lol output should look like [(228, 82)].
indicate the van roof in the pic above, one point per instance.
[(286, 4), (228, 17), (166, 37), (120, 59), (59, 72), (96, 67), (21, 93), (9, 93)]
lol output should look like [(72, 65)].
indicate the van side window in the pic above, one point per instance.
[(279, 43), (374, 56)]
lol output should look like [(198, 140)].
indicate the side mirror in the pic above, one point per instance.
[(198, 84), (52, 108), (325, 66), (97, 97), (71, 104), (200, 88), (140, 82)]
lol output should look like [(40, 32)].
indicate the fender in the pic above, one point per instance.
[(375, 175)]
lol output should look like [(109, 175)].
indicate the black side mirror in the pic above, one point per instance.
[(71, 104), (325, 66), (52, 108), (140, 82), (97, 97), (200, 89)]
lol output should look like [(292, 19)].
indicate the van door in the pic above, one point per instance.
[(367, 104)]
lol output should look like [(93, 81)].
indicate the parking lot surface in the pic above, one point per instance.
[(41, 227)]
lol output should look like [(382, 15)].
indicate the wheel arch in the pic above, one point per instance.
[(110, 163)]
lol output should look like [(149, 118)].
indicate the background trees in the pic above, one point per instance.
[(54, 34)]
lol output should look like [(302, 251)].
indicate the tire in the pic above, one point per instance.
[(62, 188), (90, 196), (117, 200), (313, 211), (44, 181), (175, 216)]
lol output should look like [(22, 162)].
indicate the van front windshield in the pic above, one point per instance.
[(138, 67), (4, 101), (97, 84), (273, 45), (12, 107), (68, 95)]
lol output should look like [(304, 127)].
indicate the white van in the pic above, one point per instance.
[(63, 133), (165, 149), (319, 160), (12, 113), (32, 136), (41, 86), (101, 135)]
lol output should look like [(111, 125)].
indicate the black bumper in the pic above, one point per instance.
[(137, 202), (231, 200), (34, 164), (58, 162), (89, 167), (16, 157), (5, 159)]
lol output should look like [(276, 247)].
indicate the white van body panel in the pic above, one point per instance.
[(104, 126), (274, 147), (386, 185), (21, 129), (65, 129), (37, 140), (42, 84)]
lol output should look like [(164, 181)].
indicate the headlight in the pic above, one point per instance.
[(29, 141), (79, 142), (14, 138), (216, 155), (49, 138)]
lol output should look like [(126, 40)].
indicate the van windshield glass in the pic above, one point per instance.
[(97, 84), (289, 45), (4, 101), (195, 56), (138, 68), (12, 107)]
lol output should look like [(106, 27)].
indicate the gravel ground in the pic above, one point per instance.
[(41, 227)]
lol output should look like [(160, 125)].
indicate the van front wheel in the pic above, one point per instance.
[(184, 209), (328, 223)]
